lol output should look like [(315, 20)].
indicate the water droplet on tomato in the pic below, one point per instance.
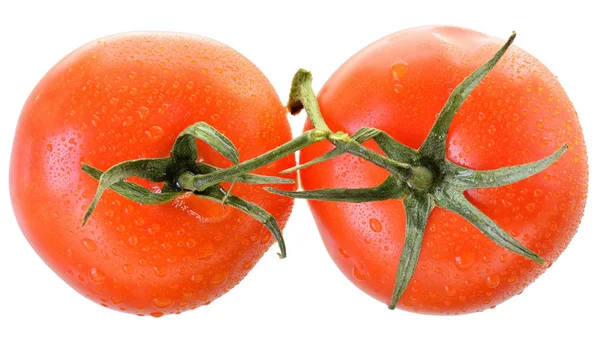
[(343, 253), (540, 124), (97, 276), (133, 240), (358, 273), (399, 69), (205, 250), (143, 112), (89, 245), (530, 207), (154, 228), (127, 268), (116, 300), (464, 260), (191, 243), (493, 281), (155, 133), (160, 271), (197, 278), (450, 290), (132, 75), (162, 302), (155, 314), (219, 278), (375, 225)]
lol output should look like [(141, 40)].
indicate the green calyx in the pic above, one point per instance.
[(178, 173), (421, 178)]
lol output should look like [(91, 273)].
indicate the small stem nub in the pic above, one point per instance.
[(420, 178), (186, 181)]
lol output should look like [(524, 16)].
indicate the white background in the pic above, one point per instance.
[(305, 293)]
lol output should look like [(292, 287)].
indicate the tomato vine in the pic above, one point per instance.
[(421, 178)]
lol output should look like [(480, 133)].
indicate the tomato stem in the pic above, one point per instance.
[(203, 181), (303, 96)]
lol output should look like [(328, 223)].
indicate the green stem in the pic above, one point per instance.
[(203, 181), (403, 170), (303, 96)]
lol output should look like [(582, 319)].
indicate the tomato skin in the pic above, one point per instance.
[(518, 114), (125, 97)]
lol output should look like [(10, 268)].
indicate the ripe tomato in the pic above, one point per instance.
[(126, 97), (518, 114)]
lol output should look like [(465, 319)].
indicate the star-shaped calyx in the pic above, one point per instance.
[(179, 172)]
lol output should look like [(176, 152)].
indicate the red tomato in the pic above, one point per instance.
[(518, 114), (126, 97)]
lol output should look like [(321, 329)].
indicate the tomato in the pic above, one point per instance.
[(127, 97), (518, 114)]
